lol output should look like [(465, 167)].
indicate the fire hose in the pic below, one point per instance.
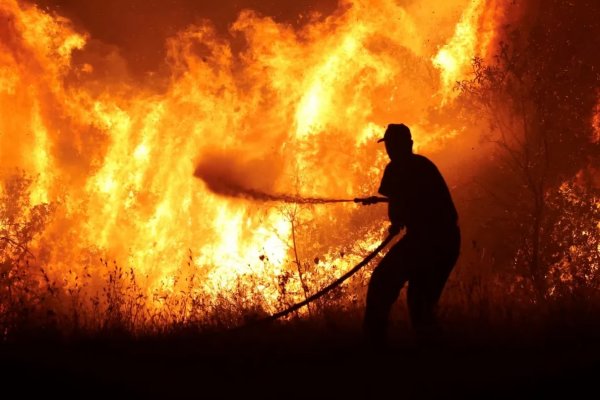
[(337, 282)]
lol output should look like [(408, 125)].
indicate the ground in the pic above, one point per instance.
[(305, 361)]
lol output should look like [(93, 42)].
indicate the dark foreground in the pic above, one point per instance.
[(305, 362)]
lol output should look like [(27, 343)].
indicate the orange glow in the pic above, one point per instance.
[(472, 37), (596, 124), (298, 109)]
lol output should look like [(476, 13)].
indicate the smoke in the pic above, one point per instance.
[(248, 179), (140, 28)]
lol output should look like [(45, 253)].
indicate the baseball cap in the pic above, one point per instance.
[(396, 132)]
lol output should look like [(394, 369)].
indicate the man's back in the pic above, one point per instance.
[(419, 196)]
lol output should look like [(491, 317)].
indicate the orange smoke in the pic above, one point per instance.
[(294, 111)]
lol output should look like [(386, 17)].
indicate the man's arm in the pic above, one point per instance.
[(394, 211), (367, 201), (396, 214)]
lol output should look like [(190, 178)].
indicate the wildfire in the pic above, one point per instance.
[(472, 37), (297, 111)]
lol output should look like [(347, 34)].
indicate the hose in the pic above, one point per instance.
[(325, 290)]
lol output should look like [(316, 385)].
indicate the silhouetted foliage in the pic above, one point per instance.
[(539, 96)]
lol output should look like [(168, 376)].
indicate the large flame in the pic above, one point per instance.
[(296, 110), (473, 35)]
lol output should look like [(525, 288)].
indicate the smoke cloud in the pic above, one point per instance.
[(140, 28)]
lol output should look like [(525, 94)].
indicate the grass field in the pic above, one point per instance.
[(319, 357)]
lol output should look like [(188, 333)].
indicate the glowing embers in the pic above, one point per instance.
[(596, 123)]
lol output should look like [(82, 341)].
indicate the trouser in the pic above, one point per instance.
[(422, 261)]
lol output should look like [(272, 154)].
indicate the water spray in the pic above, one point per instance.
[(257, 195), (223, 181)]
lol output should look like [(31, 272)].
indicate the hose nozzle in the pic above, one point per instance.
[(366, 201)]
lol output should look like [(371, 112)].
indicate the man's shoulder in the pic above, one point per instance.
[(417, 163), (420, 161), (420, 158)]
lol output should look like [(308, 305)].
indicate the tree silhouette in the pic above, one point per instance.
[(539, 94)]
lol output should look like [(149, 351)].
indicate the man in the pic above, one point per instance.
[(419, 201)]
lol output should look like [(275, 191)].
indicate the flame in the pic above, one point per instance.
[(298, 109), (472, 37)]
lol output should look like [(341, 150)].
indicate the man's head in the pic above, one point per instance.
[(398, 141)]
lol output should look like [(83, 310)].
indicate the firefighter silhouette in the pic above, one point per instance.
[(419, 200)]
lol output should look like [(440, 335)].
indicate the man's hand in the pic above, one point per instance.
[(394, 229)]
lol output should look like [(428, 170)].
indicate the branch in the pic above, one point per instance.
[(17, 245)]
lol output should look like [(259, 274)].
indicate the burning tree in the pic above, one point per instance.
[(19, 279), (539, 95)]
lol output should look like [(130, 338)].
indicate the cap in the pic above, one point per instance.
[(396, 132)]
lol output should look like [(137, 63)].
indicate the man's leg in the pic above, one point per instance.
[(421, 305), (426, 285), (444, 264), (384, 287)]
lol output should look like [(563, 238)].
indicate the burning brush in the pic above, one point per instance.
[(229, 178)]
